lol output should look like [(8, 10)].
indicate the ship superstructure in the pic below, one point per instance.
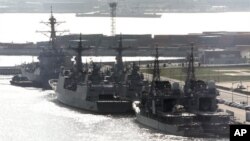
[(50, 61), (128, 78), (188, 112), (201, 97), (86, 87)]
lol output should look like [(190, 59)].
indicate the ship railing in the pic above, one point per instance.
[(206, 91), (175, 118)]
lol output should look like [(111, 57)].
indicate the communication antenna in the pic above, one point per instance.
[(52, 23), (113, 6), (190, 71), (156, 71)]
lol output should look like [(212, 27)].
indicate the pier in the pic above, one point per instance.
[(9, 70), (100, 51), (139, 45)]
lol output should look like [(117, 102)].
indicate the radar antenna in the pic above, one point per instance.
[(119, 66), (79, 49), (52, 23)]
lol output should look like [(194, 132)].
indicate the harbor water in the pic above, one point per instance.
[(33, 114)]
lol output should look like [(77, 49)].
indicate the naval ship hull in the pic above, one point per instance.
[(174, 130), (167, 128), (102, 107), (149, 122), (38, 80), (78, 98)]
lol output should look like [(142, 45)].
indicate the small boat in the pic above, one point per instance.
[(19, 80), (53, 83)]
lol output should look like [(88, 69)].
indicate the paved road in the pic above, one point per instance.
[(234, 96)]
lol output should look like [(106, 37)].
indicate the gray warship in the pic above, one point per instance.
[(50, 60), (129, 80), (88, 87), (190, 112)]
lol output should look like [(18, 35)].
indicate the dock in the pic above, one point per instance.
[(10, 70)]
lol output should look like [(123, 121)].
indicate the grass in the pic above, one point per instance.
[(206, 73)]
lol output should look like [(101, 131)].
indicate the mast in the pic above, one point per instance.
[(119, 61), (119, 55), (119, 66), (190, 71), (79, 50), (156, 71), (52, 22)]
